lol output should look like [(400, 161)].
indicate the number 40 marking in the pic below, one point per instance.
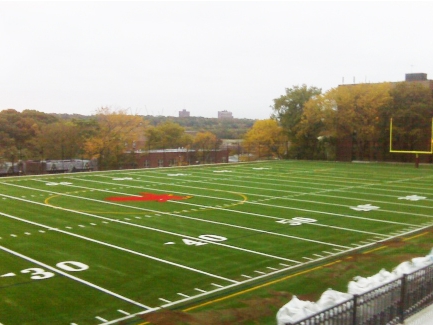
[(214, 238)]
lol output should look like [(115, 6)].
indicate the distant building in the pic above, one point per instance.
[(225, 114), (184, 113)]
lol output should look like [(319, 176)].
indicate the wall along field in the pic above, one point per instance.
[(102, 247)]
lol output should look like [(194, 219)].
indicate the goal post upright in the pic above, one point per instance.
[(416, 152)]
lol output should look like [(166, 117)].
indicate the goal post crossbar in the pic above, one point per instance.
[(409, 151)]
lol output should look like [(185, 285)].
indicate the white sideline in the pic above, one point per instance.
[(117, 247), (155, 229), (197, 219), (262, 204)]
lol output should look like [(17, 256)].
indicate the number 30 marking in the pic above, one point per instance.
[(70, 266)]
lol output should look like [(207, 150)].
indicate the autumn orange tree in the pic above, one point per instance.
[(59, 140), (116, 134), (266, 139), (358, 115), (205, 143)]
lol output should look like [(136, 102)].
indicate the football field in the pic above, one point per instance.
[(105, 247)]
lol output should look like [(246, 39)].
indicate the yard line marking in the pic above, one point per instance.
[(282, 264), (101, 319), (120, 248), (262, 204), (72, 277), (328, 252), (200, 290), (217, 285), (272, 268), (317, 255), (246, 276), (123, 312), (259, 272), (310, 259), (307, 201), (202, 220), (183, 295), (165, 300), (168, 232)]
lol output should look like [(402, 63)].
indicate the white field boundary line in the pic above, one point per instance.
[(204, 220), (235, 283), (145, 227), (251, 202), (293, 193), (297, 183), (298, 194), (250, 279), (117, 247), (74, 278), (323, 174)]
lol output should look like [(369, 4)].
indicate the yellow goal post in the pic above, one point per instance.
[(416, 152)]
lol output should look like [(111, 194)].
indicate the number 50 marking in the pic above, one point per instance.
[(296, 221)]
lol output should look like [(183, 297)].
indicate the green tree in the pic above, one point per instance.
[(288, 110), (412, 111), (316, 131), (167, 135)]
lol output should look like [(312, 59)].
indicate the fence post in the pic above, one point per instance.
[(403, 297), (355, 307)]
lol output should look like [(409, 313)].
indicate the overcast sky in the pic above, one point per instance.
[(158, 58)]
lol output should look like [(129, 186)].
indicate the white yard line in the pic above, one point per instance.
[(261, 204), (204, 220), (67, 275), (163, 231), (297, 193), (118, 248)]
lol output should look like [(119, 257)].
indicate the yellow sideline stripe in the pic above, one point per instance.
[(257, 287), (409, 238), (375, 249)]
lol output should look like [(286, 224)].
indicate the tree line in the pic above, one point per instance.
[(106, 136), (352, 120)]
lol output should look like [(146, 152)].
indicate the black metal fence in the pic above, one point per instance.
[(388, 304)]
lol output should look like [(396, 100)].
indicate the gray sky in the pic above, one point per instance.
[(161, 57)]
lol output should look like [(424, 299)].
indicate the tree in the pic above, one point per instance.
[(266, 139), (17, 131), (167, 135), (411, 109), (60, 140), (288, 110), (116, 134), (358, 115), (205, 143), (316, 131)]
